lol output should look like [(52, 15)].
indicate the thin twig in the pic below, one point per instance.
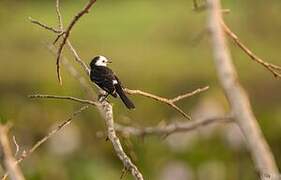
[(17, 146), (7, 160), (175, 127), (66, 34), (64, 98), (26, 154), (34, 21), (274, 69), (60, 23)]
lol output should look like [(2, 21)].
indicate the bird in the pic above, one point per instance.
[(106, 79)]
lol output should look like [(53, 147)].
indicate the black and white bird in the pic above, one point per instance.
[(107, 80)]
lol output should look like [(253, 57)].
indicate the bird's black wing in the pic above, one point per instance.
[(104, 78)]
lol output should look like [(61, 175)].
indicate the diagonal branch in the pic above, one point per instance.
[(274, 69), (108, 116), (66, 33), (34, 21)]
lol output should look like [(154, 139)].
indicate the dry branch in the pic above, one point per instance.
[(7, 160), (236, 95), (108, 116), (274, 69), (26, 154), (172, 128), (170, 102), (65, 34), (64, 98), (34, 21)]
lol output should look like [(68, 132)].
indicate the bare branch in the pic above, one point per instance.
[(34, 21), (108, 115), (64, 98), (274, 69), (26, 154), (170, 128), (237, 97), (66, 34), (60, 23), (7, 160), (78, 59), (170, 102)]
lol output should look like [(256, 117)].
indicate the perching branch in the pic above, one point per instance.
[(7, 160), (26, 154), (237, 96), (65, 34), (172, 128), (108, 116)]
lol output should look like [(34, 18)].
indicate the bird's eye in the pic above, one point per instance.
[(103, 61)]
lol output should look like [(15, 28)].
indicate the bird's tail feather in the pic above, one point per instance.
[(129, 104)]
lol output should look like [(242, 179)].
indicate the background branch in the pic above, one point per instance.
[(172, 128), (26, 154), (274, 69), (236, 95)]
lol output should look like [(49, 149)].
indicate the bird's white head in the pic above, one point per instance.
[(100, 61)]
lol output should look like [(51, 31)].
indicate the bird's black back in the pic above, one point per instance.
[(104, 77)]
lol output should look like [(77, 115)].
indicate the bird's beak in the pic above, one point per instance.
[(109, 61)]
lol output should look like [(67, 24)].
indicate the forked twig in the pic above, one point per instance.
[(65, 34), (171, 102)]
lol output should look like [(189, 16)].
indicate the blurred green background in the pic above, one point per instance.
[(156, 46)]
